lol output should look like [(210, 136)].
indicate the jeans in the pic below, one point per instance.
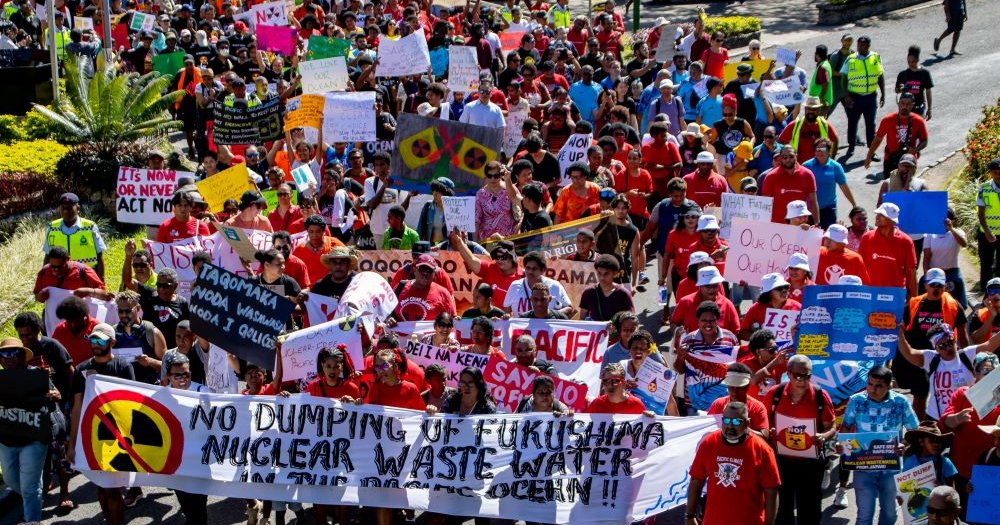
[(864, 106), (800, 501), (827, 216), (989, 260), (872, 486), (22, 472)]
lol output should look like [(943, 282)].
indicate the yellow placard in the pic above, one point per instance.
[(759, 67), (309, 113), (228, 184)]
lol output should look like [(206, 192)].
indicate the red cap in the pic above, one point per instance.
[(240, 27), (729, 100), (425, 260)]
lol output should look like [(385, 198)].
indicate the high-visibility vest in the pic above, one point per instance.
[(816, 90), (992, 210), (560, 16), (949, 309), (823, 130), (81, 244), (863, 73), (62, 38), (252, 100)]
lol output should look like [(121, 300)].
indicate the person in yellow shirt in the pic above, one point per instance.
[(738, 165)]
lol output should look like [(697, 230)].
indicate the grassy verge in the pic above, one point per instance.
[(23, 254)]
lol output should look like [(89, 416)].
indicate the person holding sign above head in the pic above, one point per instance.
[(802, 417), (741, 472), (836, 259), (499, 271), (888, 252), (774, 294)]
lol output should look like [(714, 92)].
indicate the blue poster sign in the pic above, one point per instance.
[(920, 211), (869, 451), (984, 506), (857, 323)]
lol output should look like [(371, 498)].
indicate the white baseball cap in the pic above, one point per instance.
[(796, 209), (836, 233), (935, 276), (771, 281), (705, 156), (709, 275), (666, 83), (852, 280), (889, 211), (660, 21), (699, 258), (708, 222), (799, 260)]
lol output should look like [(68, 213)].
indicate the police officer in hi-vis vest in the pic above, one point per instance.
[(862, 75), (988, 208), (79, 236)]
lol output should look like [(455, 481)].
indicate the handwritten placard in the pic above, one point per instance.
[(751, 207), (327, 74), (407, 56), (300, 348), (575, 150), (785, 56), (758, 248), (780, 322), (460, 212), (451, 359), (509, 383), (227, 184), (349, 117), (143, 196), (512, 131), (784, 92), (305, 111), (463, 69)]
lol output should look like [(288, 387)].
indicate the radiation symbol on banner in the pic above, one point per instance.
[(420, 148), (125, 431), (475, 158)]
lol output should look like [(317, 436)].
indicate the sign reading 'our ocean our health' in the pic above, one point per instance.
[(237, 315)]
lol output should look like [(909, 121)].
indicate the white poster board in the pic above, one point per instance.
[(752, 207), (785, 92), (349, 117), (300, 348), (407, 56), (463, 69), (270, 14), (575, 150), (326, 74), (460, 212), (785, 56), (780, 322), (512, 131)]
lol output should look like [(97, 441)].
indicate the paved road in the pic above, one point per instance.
[(964, 84)]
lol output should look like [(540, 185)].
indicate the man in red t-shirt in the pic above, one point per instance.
[(422, 299), (741, 471), (788, 182), (903, 131), (499, 270), (837, 260), (737, 382), (704, 185), (73, 331), (661, 158), (888, 252), (316, 244), (61, 272), (182, 225)]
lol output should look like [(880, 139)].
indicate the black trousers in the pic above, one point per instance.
[(194, 507), (864, 106), (989, 260), (800, 498)]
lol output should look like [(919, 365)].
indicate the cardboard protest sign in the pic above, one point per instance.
[(239, 124), (454, 361), (750, 207), (141, 22), (128, 354), (654, 383), (349, 117), (984, 507), (168, 63), (575, 348), (24, 405), (279, 39), (322, 47), (427, 148), (460, 212), (509, 383), (219, 375), (227, 184), (327, 74), (143, 195), (510, 41), (984, 396), (405, 56), (83, 22), (780, 322), (554, 241), (784, 92), (757, 248), (317, 450), (300, 348), (574, 150), (463, 69), (103, 311), (785, 56), (237, 315), (512, 131), (914, 487), (920, 211), (759, 67), (270, 14), (575, 276), (705, 368), (869, 451), (305, 111), (850, 322), (795, 436), (238, 239)]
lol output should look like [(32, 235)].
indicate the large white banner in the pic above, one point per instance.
[(103, 311), (407, 56), (349, 117), (533, 467), (757, 248)]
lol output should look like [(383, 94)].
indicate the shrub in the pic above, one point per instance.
[(732, 25), (982, 144), (962, 198), (37, 157), (89, 167), (22, 192), (37, 126), (10, 129)]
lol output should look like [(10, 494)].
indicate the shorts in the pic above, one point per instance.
[(956, 24), (910, 377)]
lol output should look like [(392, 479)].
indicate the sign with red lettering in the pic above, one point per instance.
[(780, 322), (509, 383), (575, 348), (143, 196), (757, 248)]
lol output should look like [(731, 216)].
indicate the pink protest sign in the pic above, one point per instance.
[(279, 39)]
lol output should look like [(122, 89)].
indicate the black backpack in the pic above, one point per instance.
[(936, 362), (817, 394)]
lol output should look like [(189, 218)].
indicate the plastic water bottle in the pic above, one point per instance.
[(663, 296)]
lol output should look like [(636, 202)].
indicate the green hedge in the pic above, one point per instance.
[(36, 157), (732, 25)]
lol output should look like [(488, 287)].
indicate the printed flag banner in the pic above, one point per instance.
[(584, 469), (428, 148), (705, 368)]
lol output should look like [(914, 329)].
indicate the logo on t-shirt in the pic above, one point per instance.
[(728, 473), (833, 273)]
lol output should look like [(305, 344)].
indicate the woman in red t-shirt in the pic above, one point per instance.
[(615, 399), (766, 362), (799, 274), (675, 253), (715, 57), (637, 184), (774, 292)]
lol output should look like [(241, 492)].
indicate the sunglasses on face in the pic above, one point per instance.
[(735, 421), (11, 354), (140, 265), (492, 175), (612, 381), (800, 377), (164, 285), (94, 340)]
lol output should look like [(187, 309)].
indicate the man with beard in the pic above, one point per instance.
[(342, 264), (807, 129), (422, 299), (904, 132), (103, 362), (788, 182), (727, 133), (744, 471)]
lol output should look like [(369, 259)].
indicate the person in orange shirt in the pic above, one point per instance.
[(574, 199), (836, 259), (316, 244)]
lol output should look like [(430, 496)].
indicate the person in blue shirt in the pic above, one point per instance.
[(584, 94), (626, 324), (710, 108), (877, 409), (829, 175), (649, 95), (689, 93), (923, 445), (765, 152)]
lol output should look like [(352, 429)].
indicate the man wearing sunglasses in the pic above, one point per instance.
[(103, 362), (740, 470), (143, 341), (944, 507), (986, 322)]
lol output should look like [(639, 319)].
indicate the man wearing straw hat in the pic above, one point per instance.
[(807, 129)]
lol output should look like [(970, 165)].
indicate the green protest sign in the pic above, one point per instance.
[(169, 63), (323, 47)]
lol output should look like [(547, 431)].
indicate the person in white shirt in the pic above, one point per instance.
[(380, 196), (518, 299), (483, 112), (436, 105)]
